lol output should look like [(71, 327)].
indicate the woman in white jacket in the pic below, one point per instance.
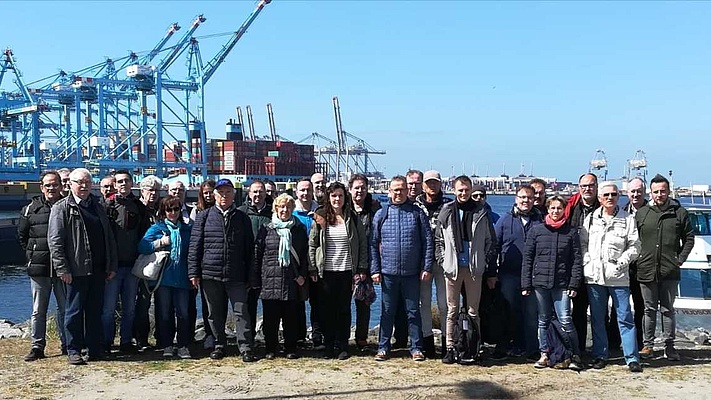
[(610, 243)]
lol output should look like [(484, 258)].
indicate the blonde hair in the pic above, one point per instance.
[(282, 199)]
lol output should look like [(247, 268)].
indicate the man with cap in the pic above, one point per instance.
[(220, 259), (431, 201)]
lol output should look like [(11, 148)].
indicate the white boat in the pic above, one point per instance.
[(695, 285)]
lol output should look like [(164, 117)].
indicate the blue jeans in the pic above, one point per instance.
[(394, 290), (124, 284), (42, 288), (625, 321), (547, 300), (82, 314), (172, 302), (522, 326)]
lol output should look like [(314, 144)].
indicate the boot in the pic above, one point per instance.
[(428, 347)]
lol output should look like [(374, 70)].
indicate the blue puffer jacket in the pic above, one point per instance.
[(552, 258), (402, 242), (175, 273), (511, 240)]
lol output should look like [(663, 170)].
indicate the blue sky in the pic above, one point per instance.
[(442, 85)]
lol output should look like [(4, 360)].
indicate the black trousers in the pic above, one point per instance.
[(252, 301), (205, 312), (316, 315), (336, 296), (362, 320), (580, 315), (142, 320), (284, 311), (636, 291), (192, 312), (300, 320)]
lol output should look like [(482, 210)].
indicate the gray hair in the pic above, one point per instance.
[(606, 184), (79, 173), (151, 182), (637, 178)]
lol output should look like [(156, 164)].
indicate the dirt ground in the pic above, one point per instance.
[(149, 376)]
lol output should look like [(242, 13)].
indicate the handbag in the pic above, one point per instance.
[(150, 266)]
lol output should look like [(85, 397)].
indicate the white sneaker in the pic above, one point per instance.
[(209, 342), (168, 352), (184, 353)]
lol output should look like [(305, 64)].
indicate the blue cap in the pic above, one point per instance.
[(224, 182)]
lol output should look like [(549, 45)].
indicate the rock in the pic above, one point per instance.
[(702, 339), (9, 330)]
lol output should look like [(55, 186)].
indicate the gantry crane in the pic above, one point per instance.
[(599, 163)]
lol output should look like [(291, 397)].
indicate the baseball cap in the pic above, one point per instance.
[(224, 182), (432, 174)]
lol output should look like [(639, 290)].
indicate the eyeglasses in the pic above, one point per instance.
[(172, 209), (525, 197), (613, 194), (107, 186), (177, 190), (81, 182), (51, 185)]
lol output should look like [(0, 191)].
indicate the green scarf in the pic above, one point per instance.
[(283, 228)]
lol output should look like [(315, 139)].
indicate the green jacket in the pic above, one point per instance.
[(667, 238), (357, 240), (258, 218)]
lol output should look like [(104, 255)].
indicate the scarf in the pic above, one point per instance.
[(283, 229), (175, 239), (554, 224), (462, 225)]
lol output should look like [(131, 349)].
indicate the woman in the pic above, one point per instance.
[(171, 234), (338, 249), (552, 268), (281, 251)]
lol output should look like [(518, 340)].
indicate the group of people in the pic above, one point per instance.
[(328, 245)]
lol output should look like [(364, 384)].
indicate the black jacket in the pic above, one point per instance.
[(279, 283), (667, 238), (221, 247), (32, 234), (129, 221), (552, 258)]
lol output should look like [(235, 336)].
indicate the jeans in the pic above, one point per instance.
[(124, 284), (172, 303), (336, 296), (524, 313), (42, 287), (426, 300), (82, 314), (655, 294), (284, 311), (396, 290), (547, 300), (598, 296), (217, 293), (472, 288)]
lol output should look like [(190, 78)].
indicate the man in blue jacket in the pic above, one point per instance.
[(401, 255)]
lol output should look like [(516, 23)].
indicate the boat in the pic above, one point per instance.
[(694, 296)]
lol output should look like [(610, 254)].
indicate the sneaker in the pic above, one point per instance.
[(565, 364), (75, 359), (634, 366), (269, 356), (381, 356), (248, 357), (599, 363), (671, 354), (218, 353), (292, 356), (343, 355), (184, 353), (209, 342), (542, 362), (35, 354), (450, 357), (576, 364), (418, 356), (168, 352), (646, 352)]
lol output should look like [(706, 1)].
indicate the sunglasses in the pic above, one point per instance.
[(476, 195), (613, 194), (172, 209)]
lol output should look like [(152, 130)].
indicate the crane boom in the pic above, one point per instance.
[(219, 58), (9, 63), (180, 47), (174, 27)]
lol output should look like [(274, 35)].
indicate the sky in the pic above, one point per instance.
[(474, 87)]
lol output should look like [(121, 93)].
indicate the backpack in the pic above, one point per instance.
[(468, 339), (558, 352)]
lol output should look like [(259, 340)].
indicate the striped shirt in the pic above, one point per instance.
[(338, 257)]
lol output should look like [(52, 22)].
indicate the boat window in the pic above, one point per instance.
[(700, 221), (695, 283)]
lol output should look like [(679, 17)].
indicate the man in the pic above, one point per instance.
[(609, 243), (365, 208), (431, 202), (129, 223), (304, 212), (319, 183), (580, 205), (401, 255), (150, 194), (636, 191), (32, 233), (259, 214), (468, 241), (66, 184), (479, 196), (667, 239), (107, 186), (220, 259), (177, 189), (83, 254), (539, 195), (414, 184), (511, 232), (270, 190)]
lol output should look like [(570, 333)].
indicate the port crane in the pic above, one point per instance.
[(598, 164), (637, 166), (120, 113)]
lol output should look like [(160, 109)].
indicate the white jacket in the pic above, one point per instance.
[(609, 247)]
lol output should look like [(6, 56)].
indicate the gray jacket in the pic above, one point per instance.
[(69, 242)]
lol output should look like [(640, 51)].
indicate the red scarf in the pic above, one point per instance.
[(555, 224)]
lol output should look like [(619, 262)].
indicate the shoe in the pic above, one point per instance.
[(599, 363), (634, 366), (75, 359), (361, 344), (270, 356), (317, 340), (450, 357), (498, 355), (382, 355), (168, 352), (218, 353), (542, 362), (343, 355), (35, 354), (576, 364), (292, 356), (671, 354), (248, 356), (514, 352), (143, 347), (184, 353), (209, 342), (127, 348), (646, 352), (64, 350), (428, 347), (418, 356)]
